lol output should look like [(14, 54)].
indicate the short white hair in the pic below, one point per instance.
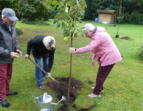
[(49, 42), (2, 16), (88, 27)]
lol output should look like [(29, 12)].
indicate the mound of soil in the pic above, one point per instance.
[(126, 38), (61, 89)]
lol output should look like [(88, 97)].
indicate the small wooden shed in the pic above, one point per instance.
[(106, 16)]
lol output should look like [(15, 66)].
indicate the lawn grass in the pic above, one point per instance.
[(123, 87)]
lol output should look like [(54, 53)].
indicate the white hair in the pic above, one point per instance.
[(88, 27), (2, 16), (49, 42)]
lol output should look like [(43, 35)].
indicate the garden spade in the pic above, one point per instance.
[(43, 70)]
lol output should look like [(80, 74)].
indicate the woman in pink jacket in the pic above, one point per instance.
[(104, 49)]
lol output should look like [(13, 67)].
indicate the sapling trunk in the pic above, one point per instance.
[(117, 32), (70, 68), (118, 29)]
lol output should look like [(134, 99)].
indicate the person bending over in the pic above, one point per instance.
[(104, 49), (42, 47)]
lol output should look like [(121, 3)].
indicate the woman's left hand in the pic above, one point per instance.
[(20, 53), (72, 50), (93, 62)]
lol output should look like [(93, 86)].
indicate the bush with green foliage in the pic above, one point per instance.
[(30, 9), (18, 31), (127, 18), (94, 5), (53, 14), (140, 51), (134, 18), (37, 21), (33, 9), (8, 3)]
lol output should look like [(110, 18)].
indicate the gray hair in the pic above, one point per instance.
[(2, 16), (49, 42), (88, 27)]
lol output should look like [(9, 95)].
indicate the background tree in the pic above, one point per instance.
[(33, 9), (133, 13), (5, 4), (70, 12), (94, 5), (132, 9), (8, 4), (87, 10), (29, 9)]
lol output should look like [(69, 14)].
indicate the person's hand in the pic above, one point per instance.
[(14, 55), (93, 62), (20, 53), (72, 50), (48, 74), (26, 56)]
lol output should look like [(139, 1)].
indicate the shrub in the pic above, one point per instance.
[(53, 14), (127, 18), (140, 51), (135, 17), (18, 31), (37, 21)]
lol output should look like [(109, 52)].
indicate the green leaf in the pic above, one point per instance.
[(58, 25), (66, 39), (82, 33), (63, 25), (55, 20), (53, 8), (75, 35), (66, 33), (79, 19), (67, 21), (57, 15), (54, 2), (59, 2), (49, 2)]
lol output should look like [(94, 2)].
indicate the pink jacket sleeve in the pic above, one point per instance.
[(92, 45), (93, 56), (102, 46)]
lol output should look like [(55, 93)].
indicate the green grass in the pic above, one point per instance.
[(123, 87)]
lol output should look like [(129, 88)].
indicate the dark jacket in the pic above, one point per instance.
[(8, 42), (39, 50)]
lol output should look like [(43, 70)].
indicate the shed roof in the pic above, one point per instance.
[(106, 11)]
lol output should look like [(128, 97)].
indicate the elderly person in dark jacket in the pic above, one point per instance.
[(42, 47), (9, 49)]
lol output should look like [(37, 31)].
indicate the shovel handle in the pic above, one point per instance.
[(37, 65), (43, 70)]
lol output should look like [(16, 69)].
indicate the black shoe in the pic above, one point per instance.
[(12, 93), (4, 103)]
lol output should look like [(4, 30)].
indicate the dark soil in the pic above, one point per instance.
[(61, 89), (90, 82), (126, 38)]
